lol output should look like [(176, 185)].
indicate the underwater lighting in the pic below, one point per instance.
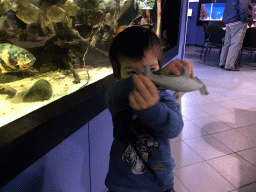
[(146, 4)]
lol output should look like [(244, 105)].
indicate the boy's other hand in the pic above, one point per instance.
[(175, 67), (144, 95)]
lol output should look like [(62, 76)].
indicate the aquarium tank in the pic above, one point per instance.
[(52, 48)]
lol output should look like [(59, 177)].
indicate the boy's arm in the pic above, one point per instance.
[(245, 12), (116, 96), (164, 118), (161, 115)]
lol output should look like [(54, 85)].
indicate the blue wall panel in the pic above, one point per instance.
[(191, 27), (67, 165), (29, 180), (101, 138), (65, 168), (195, 34)]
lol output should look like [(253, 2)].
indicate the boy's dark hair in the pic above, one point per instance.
[(131, 44)]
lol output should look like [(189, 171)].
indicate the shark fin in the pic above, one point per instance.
[(178, 95), (147, 71), (198, 80), (203, 89), (185, 72)]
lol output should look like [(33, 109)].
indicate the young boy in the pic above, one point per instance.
[(144, 118)]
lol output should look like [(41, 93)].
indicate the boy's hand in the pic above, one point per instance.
[(144, 95), (175, 67)]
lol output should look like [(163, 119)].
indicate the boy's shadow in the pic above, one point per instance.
[(236, 178)]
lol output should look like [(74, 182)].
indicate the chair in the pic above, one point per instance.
[(216, 39), (206, 37), (249, 42)]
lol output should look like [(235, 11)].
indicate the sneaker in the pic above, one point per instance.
[(232, 69)]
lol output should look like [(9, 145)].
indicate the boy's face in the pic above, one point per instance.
[(128, 67)]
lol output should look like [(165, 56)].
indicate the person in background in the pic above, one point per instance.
[(144, 118), (237, 15), (253, 24)]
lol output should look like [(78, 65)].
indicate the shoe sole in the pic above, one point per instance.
[(232, 69)]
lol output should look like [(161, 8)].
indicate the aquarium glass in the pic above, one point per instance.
[(211, 11), (146, 4), (205, 12), (217, 11), (49, 49)]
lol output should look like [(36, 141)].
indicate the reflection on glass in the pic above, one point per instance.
[(146, 4), (49, 49), (212, 11), (205, 11), (217, 11)]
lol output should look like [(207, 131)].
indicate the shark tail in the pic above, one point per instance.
[(178, 95), (203, 90)]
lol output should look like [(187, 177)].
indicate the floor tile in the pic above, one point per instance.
[(211, 124), (246, 92), (201, 177), (214, 109), (192, 94), (208, 147), (196, 100), (233, 94), (245, 102), (209, 83), (249, 131), (234, 140), (193, 113), (230, 84), (185, 118), (179, 186), (232, 106), (213, 95), (176, 139), (249, 155), (248, 188), (235, 169), (249, 115), (187, 104), (191, 130), (250, 98), (183, 155), (246, 84), (234, 120)]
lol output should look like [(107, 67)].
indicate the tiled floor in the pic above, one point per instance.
[(216, 151)]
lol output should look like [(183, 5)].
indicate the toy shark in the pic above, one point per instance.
[(178, 83)]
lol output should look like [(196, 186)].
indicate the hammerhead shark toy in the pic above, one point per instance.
[(178, 83)]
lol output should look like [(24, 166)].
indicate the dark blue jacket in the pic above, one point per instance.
[(158, 124), (237, 10)]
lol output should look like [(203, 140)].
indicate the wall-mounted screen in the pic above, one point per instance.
[(211, 11)]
